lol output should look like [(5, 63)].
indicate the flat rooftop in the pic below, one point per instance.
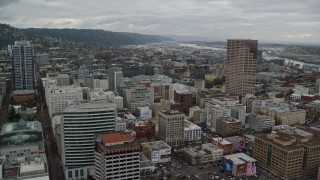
[(90, 106), (171, 112), (117, 138), (156, 145), (20, 126), (240, 158)]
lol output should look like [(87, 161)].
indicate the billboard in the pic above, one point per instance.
[(155, 156), (238, 144)]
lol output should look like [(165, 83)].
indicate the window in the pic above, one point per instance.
[(81, 173), (69, 174), (77, 173)]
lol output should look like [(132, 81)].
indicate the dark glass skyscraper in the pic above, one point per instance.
[(23, 74)]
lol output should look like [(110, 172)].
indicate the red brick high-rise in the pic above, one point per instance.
[(185, 98)]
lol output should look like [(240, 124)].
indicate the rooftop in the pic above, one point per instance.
[(228, 119), (20, 138), (239, 158), (20, 126), (171, 112), (190, 126), (88, 106), (156, 145), (117, 138)]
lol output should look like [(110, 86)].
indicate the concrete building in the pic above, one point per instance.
[(63, 80), (101, 83), (28, 167), (199, 114), (228, 126), (157, 107), (213, 112), (285, 115), (241, 53), (223, 144), (23, 73), (185, 98), (57, 97), (171, 127), (116, 156), (156, 151), (121, 124), (260, 123), (216, 152), (78, 129), (287, 154), (238, 111), (192, 132), (239, 165), (138, 93)]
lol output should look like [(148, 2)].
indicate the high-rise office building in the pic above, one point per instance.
[(241, 64), (117, 156), (83, 72), (115, 76), (81, 121), (171, 127), (87, 60), (23, 74)]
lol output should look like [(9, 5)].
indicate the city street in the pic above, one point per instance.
[(54, 162)]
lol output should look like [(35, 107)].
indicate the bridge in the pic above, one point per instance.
[(296, 52)]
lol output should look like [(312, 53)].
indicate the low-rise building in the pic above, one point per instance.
[(285, 115), (216, 152), (223, 144), (192, 132), (239, 164), (157, 151), (145, 130), (228, 126)]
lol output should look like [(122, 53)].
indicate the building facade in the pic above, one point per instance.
[(23, 73), (156, 151), (287, 154), (116, 156), (192, 132), (185, 98), (81, 120), (171, 127), (228, 126), (241, 64)]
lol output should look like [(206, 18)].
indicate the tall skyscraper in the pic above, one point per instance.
[(23, 74), (115, 76), (81, 121), (88, 62), (241, 65)]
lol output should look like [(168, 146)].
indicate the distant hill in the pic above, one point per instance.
[(9, 34)]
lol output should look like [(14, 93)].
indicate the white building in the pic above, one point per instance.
[(81, 121), (192, 132), (121, 124), (119, 101), (171, 127), (116, 156), (213, 112), (58, 96), (101, 83), (100, 94), (157, 151), (216, 152)]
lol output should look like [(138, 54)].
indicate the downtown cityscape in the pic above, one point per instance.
[(80, 103)]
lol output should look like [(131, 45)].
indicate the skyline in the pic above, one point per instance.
[(291, 21)]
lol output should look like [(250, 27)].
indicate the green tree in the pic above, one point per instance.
[(192, 119)]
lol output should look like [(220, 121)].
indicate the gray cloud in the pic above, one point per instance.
[(7, 2), (267, 20)]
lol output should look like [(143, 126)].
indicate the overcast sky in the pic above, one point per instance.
[(265, 20)]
